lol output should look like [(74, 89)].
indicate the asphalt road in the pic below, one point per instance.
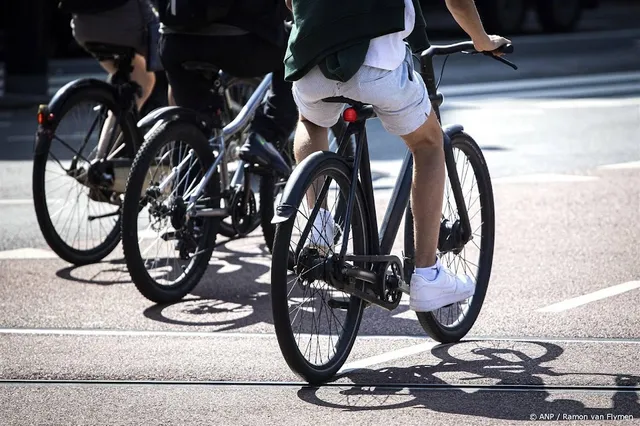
[(557, 337)]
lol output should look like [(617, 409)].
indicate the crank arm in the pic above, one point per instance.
[(102, 216)]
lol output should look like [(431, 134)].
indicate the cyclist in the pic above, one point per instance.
[(249, 41), (118, 22), (357, 51)]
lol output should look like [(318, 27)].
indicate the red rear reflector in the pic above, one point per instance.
[(350, 115)]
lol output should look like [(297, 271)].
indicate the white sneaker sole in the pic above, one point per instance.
[(433, 304)]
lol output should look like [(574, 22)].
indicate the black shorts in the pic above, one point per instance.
[(242, 56)]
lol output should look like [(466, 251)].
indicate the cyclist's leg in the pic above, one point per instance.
[(316, 116), (401, 101), (188, 89), (126, 26), (277, 118), (402, 104)]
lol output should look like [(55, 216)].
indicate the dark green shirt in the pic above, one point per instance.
[(335, 34)]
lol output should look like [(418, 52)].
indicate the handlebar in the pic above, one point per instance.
[(467, 47)]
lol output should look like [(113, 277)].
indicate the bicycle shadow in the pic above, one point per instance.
[(113, 270), (232, 294), (484, 364), (105, 273)]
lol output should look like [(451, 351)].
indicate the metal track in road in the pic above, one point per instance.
[(235, 335), (379, 386)]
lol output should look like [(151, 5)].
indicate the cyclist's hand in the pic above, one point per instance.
[(490, 43)]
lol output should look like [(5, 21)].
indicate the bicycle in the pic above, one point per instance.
[(103, 169), (369, 275), (182, 140)]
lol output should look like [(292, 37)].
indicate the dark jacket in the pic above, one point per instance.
[(335, 34)]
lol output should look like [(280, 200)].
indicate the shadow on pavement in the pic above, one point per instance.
[(394, 388), (233, 294)]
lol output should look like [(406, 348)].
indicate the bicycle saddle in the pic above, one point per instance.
[(108, 51)]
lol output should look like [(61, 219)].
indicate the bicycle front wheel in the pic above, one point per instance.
[(316, 325), (166, 251), (451, 323)]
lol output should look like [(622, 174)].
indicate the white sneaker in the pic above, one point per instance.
[(322, 233), (447, 288)]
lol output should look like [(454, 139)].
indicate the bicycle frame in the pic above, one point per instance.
[(218, 143), (387, 288)]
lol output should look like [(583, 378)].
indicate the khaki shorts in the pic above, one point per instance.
[(401, 104)]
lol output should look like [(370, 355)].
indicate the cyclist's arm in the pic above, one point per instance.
[(466, 15)]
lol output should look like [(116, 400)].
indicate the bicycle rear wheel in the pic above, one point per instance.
[(451, 323), (81, 221), (297, 294)]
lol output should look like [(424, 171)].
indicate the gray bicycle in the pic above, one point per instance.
[(187, 185)]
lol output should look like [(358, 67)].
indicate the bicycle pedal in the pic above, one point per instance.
[(258, 170)]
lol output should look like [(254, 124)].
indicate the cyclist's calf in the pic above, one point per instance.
[(425, 143)]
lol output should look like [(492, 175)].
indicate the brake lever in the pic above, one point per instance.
[(501, 59)]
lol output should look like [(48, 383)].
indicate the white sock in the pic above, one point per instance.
[(323, 227), (430, 273)]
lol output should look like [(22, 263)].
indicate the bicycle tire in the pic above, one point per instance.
[(146, 285), (427, 320), (337, 168), (70, 254)]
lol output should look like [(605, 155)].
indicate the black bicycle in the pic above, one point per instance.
[(81, 223), (321, 289)]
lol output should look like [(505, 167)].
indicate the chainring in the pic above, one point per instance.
[(243, 218)]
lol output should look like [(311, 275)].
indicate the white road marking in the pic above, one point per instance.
[(388, 356), (537, 106), (619, 166), (556, 86), (406, 315), (15, 201), (388, 182), (28, 201), (591, 297), (544, 178), (27, 253)]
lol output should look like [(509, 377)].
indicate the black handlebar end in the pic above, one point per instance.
[(506, 48)]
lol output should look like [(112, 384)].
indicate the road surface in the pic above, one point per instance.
[(557, 337)]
